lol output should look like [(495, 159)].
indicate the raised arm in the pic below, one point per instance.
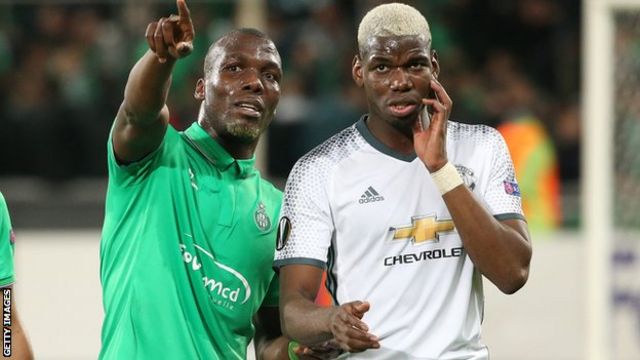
[(142, 119), (500, 250)]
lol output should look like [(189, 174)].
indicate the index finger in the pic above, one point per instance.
[(183, 10)]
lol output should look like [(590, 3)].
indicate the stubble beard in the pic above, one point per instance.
[(402, 125), (242, 132)]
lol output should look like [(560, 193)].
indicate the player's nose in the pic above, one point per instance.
[(252, 82)]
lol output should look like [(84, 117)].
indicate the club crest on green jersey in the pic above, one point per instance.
[(261, 218)]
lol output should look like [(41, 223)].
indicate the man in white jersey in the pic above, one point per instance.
[(406, 210)]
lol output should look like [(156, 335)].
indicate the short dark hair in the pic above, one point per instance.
[(208, 60)]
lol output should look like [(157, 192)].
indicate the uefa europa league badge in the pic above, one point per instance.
[(261, 218), (284, 229)]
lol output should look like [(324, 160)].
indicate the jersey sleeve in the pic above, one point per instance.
[(7, 276), (306, 208), (127, 174), (502, 194)]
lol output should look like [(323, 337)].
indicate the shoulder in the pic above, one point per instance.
[(4, 214), (271, 192), (474, 133), (324, 157), (4, 211), (480, 137), (172, 138)]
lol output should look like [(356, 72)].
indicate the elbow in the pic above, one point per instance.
[(517, 272), (516, 281)]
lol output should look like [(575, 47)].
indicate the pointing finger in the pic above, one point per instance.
[(183, 11)]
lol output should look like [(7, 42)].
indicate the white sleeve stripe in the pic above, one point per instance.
[(300, 261)]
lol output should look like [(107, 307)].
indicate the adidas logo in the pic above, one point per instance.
[(370, 195)]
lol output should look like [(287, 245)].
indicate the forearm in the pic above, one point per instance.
[(304, 321), (21, 347), (498, 251), (274, 349), (147, 89)]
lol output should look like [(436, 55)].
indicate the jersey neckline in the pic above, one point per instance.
[(362, 128), (215, 153)]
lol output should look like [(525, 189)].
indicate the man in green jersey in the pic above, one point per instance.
[(14, 341), (189, 232)]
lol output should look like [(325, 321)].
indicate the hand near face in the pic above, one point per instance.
[(430, 144), (172, 36), (349, 331)]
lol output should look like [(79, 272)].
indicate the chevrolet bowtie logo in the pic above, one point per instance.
[(422, 229)]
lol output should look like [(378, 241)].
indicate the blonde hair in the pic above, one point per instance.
[(393, 19)]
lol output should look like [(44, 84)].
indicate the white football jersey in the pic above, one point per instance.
[(376, 221)]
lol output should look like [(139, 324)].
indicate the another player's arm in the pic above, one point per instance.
[(309, 323), (501, 250), (268, 341), (143, 117), (270, 344), (20, 347)]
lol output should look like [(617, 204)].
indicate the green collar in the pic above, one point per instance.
[(362, 128), (216, 154)]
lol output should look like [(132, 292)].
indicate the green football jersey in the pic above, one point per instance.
[(7, 276), (186, 253)]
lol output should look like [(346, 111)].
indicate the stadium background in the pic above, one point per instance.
[(514, 65)]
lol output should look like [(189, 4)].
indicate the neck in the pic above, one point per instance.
[(396, 136), (237, 149)]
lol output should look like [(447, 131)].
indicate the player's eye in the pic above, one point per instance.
[(382, 68), (416, 66), (233, 68)]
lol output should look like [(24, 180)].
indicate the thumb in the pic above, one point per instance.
[(360, 307), (184, 47)]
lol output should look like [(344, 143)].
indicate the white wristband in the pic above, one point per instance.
[(446, 178)]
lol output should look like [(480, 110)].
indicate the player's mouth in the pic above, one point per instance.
[(250, 108), (402, 109)]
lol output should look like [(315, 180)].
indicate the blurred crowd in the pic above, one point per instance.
[(510, 64), (627, 114)]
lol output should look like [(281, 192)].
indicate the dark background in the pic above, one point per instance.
[(63, 67)]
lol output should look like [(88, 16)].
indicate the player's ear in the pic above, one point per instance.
[(435, 65), (356, 71), (199, 93)]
